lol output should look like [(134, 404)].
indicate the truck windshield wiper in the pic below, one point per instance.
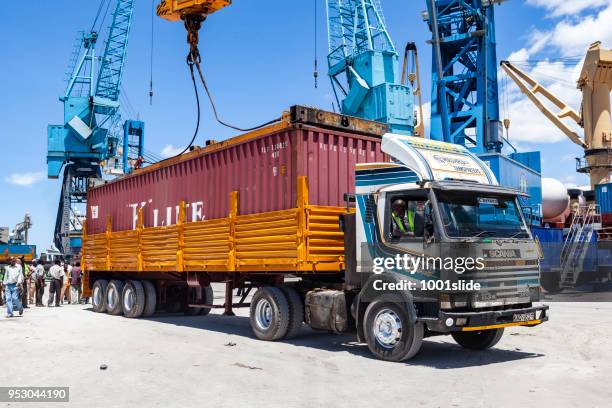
[(481, 233), (518, 233)]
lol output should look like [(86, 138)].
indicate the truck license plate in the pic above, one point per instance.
[(523, 317)]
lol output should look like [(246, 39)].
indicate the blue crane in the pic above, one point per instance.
[(465, 97), (363, 65), (91, 132)]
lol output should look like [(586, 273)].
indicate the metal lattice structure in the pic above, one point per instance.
[(91, 131), (111, 68), (363, 65), (464, 97), (355, 27)]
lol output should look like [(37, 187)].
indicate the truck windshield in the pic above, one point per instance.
[(481, 216)]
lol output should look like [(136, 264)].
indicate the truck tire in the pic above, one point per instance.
[(150, 298), (478, 340), (209, 298), (389, 333), (269, 314), (113, 297), (133, 299), (98, 296), (296, 311)]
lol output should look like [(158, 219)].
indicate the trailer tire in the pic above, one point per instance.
[(113, 297), (206, 297), (389, 333), (209, 298), (133, 299), (269, 314), (150, 298), (296, 311), (98, 296), (478, 340)]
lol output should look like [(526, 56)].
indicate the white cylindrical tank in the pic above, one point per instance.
[(555, 200)]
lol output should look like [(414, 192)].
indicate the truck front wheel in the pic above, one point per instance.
[(478, 340), (389, 333)]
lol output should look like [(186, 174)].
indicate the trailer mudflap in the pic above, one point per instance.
[(486, 320)]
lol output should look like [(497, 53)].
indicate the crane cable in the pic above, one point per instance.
[(93, 26), (316, 62), (193, 23), (214, 108), (152, 48), (197, 128)]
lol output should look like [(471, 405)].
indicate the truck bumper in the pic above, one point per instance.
[(487, 320)]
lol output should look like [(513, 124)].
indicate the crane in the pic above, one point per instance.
[(363, 65), (595, 83), (464, 95), (91, 131)]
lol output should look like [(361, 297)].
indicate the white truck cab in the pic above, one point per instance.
[(435, 231)]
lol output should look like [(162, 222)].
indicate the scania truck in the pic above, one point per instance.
[(325, 220)]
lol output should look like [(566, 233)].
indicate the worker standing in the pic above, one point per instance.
[(55, 287), (75, 283), (66, 286), (26, 280), (1, 286), (32, 284), (38, 277), (13, 283)]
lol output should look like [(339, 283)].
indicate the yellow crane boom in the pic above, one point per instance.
[(595, 82)]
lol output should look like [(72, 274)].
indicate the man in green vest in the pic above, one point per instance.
[(402, 220)]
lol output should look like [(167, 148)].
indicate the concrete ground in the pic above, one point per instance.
[(214, 361)]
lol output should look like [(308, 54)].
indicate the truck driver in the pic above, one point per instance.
[(402, 221)]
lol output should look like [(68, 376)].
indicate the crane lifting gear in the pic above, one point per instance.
[(194, 13), (595, 82)]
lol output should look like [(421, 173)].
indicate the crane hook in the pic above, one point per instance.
[(193, 23)]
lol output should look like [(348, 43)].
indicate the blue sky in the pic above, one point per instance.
[(259, 61)]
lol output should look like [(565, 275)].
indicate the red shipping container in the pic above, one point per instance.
[(262, 166)]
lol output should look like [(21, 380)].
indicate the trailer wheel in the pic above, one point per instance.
[(98, 296), (269, 314), (478, 340), (133, 299), (389, 333), (150, 298), (209, 298), (113, 297), (296, 311), (206, 297)]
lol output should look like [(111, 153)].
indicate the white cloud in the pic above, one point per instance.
[(578, 24), (170, 150), (559, 8), (25, 179), (573, 36)]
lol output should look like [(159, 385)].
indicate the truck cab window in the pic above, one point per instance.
[(497, 217), (405, 218)]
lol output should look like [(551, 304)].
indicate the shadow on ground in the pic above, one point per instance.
[(440, 355)]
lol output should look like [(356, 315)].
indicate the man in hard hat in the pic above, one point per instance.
[(402, 221)]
